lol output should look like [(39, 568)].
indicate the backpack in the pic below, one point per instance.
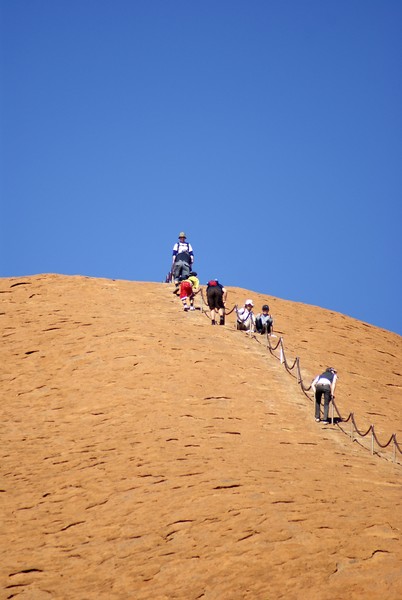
[(183, 254)]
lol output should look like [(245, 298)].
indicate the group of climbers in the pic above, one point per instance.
[(186, 280), (262, 323), (188, 285)]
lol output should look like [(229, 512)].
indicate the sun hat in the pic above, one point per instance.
[(249, 301), (182, 234)]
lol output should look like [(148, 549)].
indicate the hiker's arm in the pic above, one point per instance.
[(333, 385), (313, 384)]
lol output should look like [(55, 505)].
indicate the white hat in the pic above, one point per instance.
[(249, 301)]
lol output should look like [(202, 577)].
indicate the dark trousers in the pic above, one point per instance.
[(181, 270), (263, 328), (319, 391)]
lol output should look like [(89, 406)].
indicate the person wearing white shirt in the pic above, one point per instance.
[(324, 384), (245, 316), (182, 259)]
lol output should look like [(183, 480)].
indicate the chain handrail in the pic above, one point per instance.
[(342, 419), (282, 358)]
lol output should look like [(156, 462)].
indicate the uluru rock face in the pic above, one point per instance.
[(146, 454)]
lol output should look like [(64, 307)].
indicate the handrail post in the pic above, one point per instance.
[(351, 427), (372, 439), (332, 413), (394, 451)]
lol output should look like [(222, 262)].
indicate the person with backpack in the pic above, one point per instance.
[(216, 298), (182, 259), (324, 384), (264, 321), (245, 316)]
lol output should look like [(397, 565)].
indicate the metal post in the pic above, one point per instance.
[(372, 439), (351, 427), (332, 413), (394, 452)]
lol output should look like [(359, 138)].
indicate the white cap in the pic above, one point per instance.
[(249, 301)]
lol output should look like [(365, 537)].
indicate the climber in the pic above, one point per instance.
[(324, 384), (245, 316), (196, 287), (182, 259), (264, 321), (216, 298), (186, 291)]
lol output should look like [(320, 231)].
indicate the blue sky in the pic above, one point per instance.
[(269, 131)]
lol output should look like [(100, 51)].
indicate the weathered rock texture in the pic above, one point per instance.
[(146, 454)]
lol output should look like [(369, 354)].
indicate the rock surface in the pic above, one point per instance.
[(146, 454)]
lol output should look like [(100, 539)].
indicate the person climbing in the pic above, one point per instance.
[(182, 259), (216, 298), (324, 384), (196, 287), (264, 321), (186, 292), (245, 316)]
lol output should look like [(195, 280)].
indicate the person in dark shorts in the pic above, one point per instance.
[(216, 298), (324, 384)]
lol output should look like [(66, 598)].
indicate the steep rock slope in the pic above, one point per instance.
[(146, 454)]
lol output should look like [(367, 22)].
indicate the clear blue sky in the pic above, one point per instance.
[(269, 131)]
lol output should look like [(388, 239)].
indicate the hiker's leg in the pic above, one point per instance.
[(178, 271), (327, 400), (317, 403), (175, 275), (185, 270)]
